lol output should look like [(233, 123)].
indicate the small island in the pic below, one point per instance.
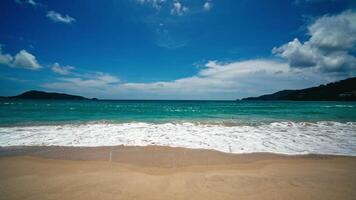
[(40, 95), (344, 90)]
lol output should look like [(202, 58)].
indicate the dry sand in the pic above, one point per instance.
[(170, 173)]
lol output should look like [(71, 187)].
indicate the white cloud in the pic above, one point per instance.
[(178, 8), (224, 80), (215, 80), (94, 83), (330, 47), (336, 32), (22, 59), (62, 70), (25, 60), (57, 17), (298, 54), (207, 6)]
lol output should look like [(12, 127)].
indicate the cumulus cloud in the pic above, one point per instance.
[(62, 70), (330, 47), (57, 17), (336, 32), (22, 59), (26, 60), (298, 54), (178, 8)]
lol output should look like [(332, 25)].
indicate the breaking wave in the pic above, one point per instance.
[(279, 137)]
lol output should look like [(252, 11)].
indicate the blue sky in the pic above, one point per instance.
[(174, 49)]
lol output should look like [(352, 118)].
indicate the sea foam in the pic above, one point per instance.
[(278, 137)]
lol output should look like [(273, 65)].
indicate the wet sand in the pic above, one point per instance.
[(170, 173)]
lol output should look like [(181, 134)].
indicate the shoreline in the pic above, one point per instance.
[(331, 138), (51, 150), (157, 172)]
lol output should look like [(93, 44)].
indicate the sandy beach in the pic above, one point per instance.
[(170, 173), (178, 100)]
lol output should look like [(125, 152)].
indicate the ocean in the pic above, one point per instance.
[(286, 127)]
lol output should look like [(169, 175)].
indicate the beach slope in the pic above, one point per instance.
[(170, 173)]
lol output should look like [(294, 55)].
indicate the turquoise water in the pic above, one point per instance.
[(235, 127), (29, 112)]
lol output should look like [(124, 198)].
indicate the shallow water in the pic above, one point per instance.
[(238, 127), (229, 112)]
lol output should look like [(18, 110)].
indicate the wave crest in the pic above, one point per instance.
[(324, 137)]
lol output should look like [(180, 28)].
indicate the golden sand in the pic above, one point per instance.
[(171, 173)]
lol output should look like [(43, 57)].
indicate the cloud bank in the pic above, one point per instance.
[(214, 80)]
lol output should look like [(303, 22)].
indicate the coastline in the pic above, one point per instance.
[(287, 137), (157, 172)]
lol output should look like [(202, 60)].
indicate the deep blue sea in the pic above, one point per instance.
[(289, 127)]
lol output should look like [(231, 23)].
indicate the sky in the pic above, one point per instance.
[(174, 49)]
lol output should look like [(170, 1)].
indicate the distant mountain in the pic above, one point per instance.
[(33, 94), (344, 90)]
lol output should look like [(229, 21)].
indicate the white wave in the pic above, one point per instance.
[(279, 137), (338, 106)]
